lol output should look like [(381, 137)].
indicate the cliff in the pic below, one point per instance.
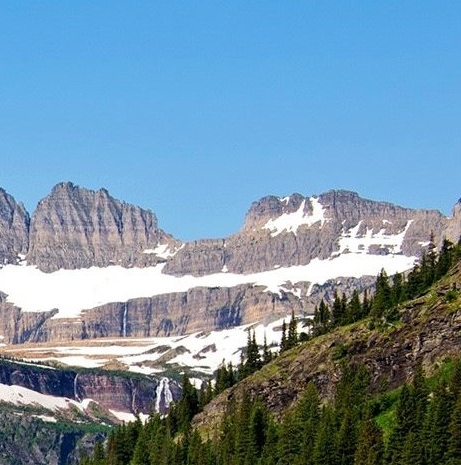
[(290, 253), (78, 228)]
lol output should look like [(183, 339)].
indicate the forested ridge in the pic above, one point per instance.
[(418, 422)]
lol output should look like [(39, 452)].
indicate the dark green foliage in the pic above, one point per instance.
[(383, 295), (225, 378), (370, 445), (290, 337), (437, 424), (426, 428), (454, 442), (325, 449)]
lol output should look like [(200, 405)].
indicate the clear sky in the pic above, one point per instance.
[(195, 109)]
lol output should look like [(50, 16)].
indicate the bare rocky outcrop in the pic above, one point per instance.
[(429, 333), (199, 309), (78, 228), (14, 229), (259, 246), (110, 390)]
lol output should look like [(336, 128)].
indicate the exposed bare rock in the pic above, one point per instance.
[(454, 227), (14, 229), (78, 228), (111, 391), (264, 244), (199, 309)]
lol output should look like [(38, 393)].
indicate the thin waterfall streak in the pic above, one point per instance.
[(125, 311)]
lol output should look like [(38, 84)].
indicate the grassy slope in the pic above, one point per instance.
[(428, 331)]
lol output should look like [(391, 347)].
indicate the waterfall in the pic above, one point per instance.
[(133, 397), (75, 388), (163, 388), (125, 310)]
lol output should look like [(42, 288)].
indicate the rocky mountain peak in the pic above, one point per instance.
[(271, 207), (14, 228), (75, 227)]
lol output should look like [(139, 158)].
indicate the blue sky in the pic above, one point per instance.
[(195, 109)]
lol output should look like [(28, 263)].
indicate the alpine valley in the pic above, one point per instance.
[(102, 312)]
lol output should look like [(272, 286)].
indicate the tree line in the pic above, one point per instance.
[(424, 426), (425, 429)]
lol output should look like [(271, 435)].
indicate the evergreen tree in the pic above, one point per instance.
[(445, 259), (404, 424), (366, 305), (347, 439), (370, 445), (397, 290), (325, 449), (412, 450), (267, 354), (308, 416), (292, 338), (283, 342), (290, 440), (437, 425), (353, 309), (382, 299), (337, 312), (454, 443)]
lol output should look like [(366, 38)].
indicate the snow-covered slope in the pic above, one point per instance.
[(200, 353), (71, 291)]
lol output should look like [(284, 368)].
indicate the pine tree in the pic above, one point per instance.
[(308, 417), (337, 312), (347, 439), (412, 450), (446, 259), (292, 338), (366, 305), (325, 449), (283, 342), (397, 290), (289, 440), (404, 424), (370, 445), (353, 309), (437, 424), (382, 299), (454, 443), (267, 354)]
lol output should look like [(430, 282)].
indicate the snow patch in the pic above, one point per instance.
[(19, 395), (71, 291), (162, 251), (290, 222), (352, 242)]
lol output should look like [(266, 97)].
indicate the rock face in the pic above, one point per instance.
[(78, 228), (28, 440), (111, 391), (14, 229), (75, 228), (294, 230), (199, 309)]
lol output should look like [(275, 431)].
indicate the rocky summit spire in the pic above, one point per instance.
[(14, 229), (75, 227)]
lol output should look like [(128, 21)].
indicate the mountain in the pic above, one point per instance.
[(89, 281), (87, 266), (383, 388)]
